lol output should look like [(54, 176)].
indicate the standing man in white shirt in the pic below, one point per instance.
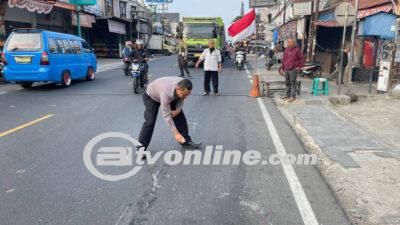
[(212, 65)]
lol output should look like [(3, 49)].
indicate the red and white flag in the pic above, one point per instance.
[(244, 27)]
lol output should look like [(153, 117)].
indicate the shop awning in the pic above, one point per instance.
[(367, 8), (276, 35), (381, 25), (116, 27), (327, 24), (362, 13), (291, 29), (287, 30), (327, 19)]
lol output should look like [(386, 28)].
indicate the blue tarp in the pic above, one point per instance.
[(381, 25), (327, 16), (276, 34)]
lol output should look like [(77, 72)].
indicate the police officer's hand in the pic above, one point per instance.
[(175, 113), (179, 138)]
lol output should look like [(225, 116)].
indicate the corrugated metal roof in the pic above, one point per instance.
[(364, 4)]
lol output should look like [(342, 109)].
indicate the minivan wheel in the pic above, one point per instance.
[(90, 76), (66, 79), (27, 84)]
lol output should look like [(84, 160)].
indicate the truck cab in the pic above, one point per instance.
[(196, 32), (160, 44)]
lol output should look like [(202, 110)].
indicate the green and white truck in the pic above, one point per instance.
[(196, 32)]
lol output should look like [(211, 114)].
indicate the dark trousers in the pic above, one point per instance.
[(150, 117), (208, 76), (291, 83), (182, 65)]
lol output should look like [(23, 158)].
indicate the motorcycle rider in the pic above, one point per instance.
[(140, 54), (126, 53), (240, 47)]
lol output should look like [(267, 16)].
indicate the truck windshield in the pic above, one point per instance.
[(25, 42), (198, 31)]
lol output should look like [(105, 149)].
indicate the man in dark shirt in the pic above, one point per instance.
[(293, 61)]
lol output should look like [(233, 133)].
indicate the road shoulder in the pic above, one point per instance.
[(359, 167)]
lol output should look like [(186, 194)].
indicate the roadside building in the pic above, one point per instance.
[(105, 25), (170, 21), (376, 29), (49, 15)]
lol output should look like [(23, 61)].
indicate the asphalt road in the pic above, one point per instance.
[(43, 179)]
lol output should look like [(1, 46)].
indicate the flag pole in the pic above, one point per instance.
[(256, 68)]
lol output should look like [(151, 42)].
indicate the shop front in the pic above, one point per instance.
[(328, 40), (109, 38), (378, 33), (86, 22), (295, 29), (49, 15)]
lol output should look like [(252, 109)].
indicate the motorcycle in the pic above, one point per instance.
[(311, 70), (126, 65), (239, 60), (270, 60), (138, 74)]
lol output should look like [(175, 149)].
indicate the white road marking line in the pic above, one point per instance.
[(299, 195), (175, 65), (122, 215), (10, 190), (3, 92)]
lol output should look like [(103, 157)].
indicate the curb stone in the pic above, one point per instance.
[(356, 190), (323, 162)]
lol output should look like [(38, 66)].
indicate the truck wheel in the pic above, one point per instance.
[(26, 84), (166, 52)]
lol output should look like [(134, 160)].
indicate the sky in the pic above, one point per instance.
[(227, 9)]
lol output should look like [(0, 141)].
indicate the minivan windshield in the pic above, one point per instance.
[(25, 42)]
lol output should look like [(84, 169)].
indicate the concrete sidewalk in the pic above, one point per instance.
[(358, 147), (105, 64)]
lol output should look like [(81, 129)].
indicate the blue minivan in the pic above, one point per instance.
[(34, 55)]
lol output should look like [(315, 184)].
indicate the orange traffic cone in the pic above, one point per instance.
[(255, 90)]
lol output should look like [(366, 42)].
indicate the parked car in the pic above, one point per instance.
[(258, 46), (35, 55)]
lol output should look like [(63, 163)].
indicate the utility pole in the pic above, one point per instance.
[(351, 56), (341, 52), (314, 42), (78, 19), (256, 67), (163, 19), (310, 31), (284, 11)]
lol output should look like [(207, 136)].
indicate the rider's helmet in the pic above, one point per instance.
[(139, 42)]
